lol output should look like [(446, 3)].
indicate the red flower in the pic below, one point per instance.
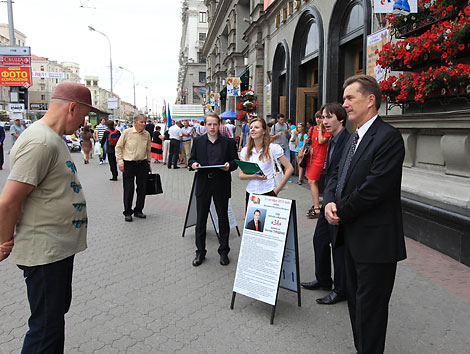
[(461, 46)]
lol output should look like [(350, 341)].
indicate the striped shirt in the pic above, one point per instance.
[(100, 129)]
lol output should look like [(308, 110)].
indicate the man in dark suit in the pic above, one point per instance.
[(150, 127), (363, 202), (213, 183), (255, 224), (334, 119)]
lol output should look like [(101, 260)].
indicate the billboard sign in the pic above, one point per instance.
[(49, 75), (16, 107), (389, 6), (15, 75), (15, 60), (375, 43), (38, 106), (15, 50)]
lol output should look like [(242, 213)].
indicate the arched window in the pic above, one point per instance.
[(353, 22), (310, 41)]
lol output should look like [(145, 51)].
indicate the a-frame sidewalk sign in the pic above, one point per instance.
[(269, 257)]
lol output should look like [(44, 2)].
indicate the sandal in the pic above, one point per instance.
[(299, 182), (313, 214), (309, 211)]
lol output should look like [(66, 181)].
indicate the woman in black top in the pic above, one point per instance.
[(156, 151)]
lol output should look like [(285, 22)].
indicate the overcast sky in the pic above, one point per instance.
[(144, 34)]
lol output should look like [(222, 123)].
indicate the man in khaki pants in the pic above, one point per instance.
[(186, 138)]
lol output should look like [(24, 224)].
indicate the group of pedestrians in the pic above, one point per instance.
[(359, 224)]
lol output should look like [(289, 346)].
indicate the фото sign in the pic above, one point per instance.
[(15, 75)]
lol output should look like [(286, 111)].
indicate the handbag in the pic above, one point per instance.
[(154, 184), (278, 174), (308, 145)]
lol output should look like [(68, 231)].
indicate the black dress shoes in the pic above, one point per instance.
[(113, 179), (315, 285), (140, 215), (331, 298), (224, 260), (198, 260), (128, 218)]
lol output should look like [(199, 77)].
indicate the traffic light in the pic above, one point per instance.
[(23, 95)]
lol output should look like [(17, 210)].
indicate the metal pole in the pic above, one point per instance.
[(133, 85), (10, 22)]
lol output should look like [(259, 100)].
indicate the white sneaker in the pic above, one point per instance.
[(101, 162)]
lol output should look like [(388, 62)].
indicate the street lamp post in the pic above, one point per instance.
[(110, 59), (133, 84), (146, 97)]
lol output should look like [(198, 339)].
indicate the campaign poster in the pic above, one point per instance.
[(375, 42), (233, 86), (262, 248)]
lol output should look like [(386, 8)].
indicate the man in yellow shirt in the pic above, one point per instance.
[(133, 158)]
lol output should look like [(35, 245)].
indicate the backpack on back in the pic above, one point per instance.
[(113, 137)]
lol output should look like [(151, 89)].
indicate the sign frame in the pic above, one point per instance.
[(290, 238)]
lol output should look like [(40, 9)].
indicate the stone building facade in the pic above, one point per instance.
[(296, 55), (192, 70)]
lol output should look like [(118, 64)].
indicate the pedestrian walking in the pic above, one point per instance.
[(110, 138), (213, 184), (363, 202), (260, 150), (44, 199), (156, 152), (133, 157), (280, 134), (334, 119), (99, 132), (16, 130), (87, 144), (318, 137)]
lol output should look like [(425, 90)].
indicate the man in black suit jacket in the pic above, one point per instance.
[(362, 200), (255, 224), (213, 149), (334, 119)]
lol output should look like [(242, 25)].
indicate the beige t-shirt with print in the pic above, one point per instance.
[(53, 223)]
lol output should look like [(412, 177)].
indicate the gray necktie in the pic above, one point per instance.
[(347, 162)]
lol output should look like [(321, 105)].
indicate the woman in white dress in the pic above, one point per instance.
[(260, 150)]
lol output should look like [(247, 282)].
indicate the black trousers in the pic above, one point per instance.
[(138, 171), (203, 203), (1, 156), (49, 289), (174, 152), (113, 163), (369, 287), (322, 252)]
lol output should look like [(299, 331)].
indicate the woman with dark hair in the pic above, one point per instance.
[(156, 151), (315, 161), (86, 143), (260, 150)]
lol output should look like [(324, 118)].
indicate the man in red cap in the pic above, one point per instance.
[(43, 198)]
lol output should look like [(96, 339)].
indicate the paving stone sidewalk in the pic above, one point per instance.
[(135, 291)]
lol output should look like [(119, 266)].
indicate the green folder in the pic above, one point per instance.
[(249, 168)]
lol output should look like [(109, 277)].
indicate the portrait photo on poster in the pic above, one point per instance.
[(255, 218)]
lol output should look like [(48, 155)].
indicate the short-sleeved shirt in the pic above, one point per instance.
[(282, 139), (188, 130), (259, 186), (15, 129), (53, 223), (100, 129), (174, 132)]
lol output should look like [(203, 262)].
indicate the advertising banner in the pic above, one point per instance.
[(38, 106), (15, 60), (375, 42), (15, 75), (233, 86), (49, 75), (16, 107), (388, 6)]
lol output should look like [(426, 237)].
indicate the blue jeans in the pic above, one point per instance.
[(49, 289), (103, 155), (287, 152)]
